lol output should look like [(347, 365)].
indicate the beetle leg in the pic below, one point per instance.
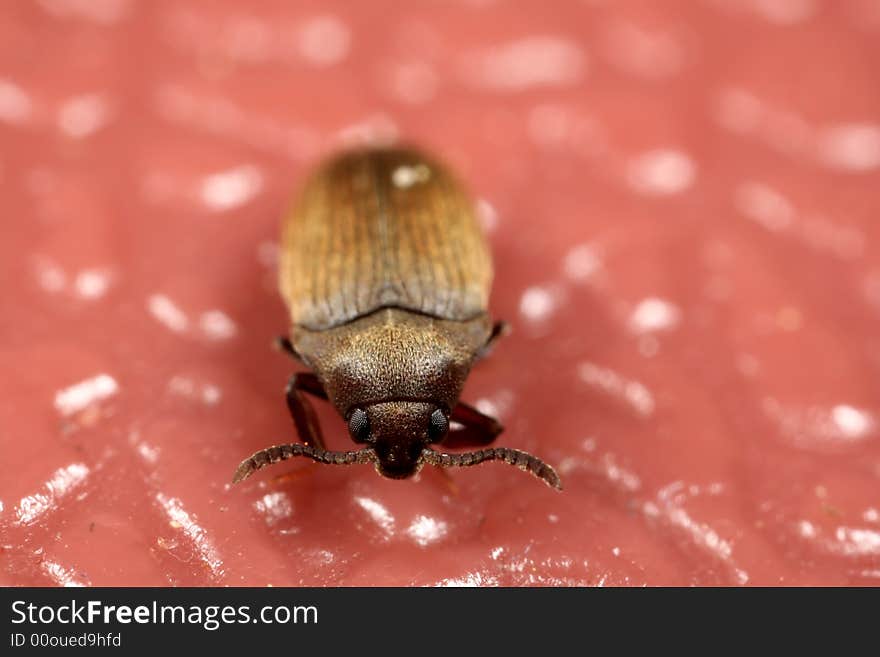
[(499, 329), (283, 343), (301, 410), (477, 428)]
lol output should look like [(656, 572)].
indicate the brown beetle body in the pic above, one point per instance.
[(387, 277)]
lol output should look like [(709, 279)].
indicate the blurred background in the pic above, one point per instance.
[(682, 199)]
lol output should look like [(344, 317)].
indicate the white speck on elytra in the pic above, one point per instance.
[(404, 176)]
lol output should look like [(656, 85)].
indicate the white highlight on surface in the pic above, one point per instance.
[(581, 263), (738, 110), (83, 115), (92, 283), (661, 172), (870, 515), (487, 215), (654, 314), (855, 541), (537, 303), (807, 529), (764, 205), (376, 130), (61, 483), (469, 580), (230, 189), (624, 479), (632, 393), (819, 427), (217, 325), (167, 312), (268, 253), (208, 393), (60, 575), (15, 104), (179, 518), (378, 513), (851, 421), (425, 530), (405, 176), (149, 453), (413, 82), (785, 12), (85, 393), (274, 507), (653, 55), (105, 12), (324, 40), (550, 124), (50, 275), (532, 62), (852, 147), (701, 534)]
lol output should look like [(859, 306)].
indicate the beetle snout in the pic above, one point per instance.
[(398, 459), (399, 432)]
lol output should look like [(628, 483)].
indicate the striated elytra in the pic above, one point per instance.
[(387, 276)]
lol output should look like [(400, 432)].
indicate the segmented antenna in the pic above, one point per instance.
[(524, 461), (278, 453)]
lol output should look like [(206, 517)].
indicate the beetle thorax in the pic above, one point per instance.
[(393, 354)]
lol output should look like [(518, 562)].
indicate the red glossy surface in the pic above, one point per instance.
[(683, 205)]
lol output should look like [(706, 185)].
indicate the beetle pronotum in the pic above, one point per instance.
[(386, 275)]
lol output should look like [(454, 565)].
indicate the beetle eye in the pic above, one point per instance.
[(438, 426), (359, 426)]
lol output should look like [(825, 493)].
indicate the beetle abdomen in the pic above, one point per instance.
[(383, 228)]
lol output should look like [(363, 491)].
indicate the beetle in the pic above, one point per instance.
[(386, 275)]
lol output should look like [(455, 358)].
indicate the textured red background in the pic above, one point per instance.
[(682, 199)]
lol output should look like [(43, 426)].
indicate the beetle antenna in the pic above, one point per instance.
[(524, 461), (278, 453)]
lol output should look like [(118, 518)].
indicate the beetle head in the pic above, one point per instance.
[(398, 432)]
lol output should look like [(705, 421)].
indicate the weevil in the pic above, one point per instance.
[(386, 275)]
